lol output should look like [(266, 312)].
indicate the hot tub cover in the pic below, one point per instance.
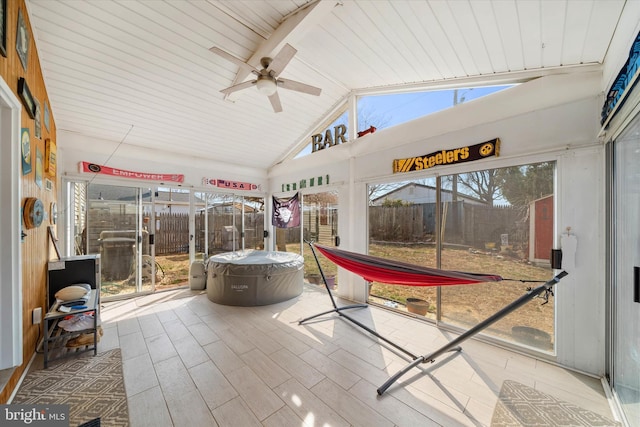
[(250, 277)]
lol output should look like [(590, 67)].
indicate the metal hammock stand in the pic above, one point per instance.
[(363, 264)]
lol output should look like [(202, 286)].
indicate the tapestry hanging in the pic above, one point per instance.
[(286, 212)]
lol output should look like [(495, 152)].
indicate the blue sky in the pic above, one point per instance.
[(383, 111), (403, 107)]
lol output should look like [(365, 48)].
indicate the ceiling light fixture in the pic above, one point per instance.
[(266, 85)]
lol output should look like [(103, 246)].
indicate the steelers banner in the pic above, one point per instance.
[(448, 157)]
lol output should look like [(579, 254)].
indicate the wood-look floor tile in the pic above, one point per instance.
[(284, 417), (288, 341), (255, 393), (256, 366), (337, 373), (139, 374), (352, 409), (309, 407), (109, 339), (225, 359), (132, 345), (190, 351), (265, 368), (234, 339), (306, 374), (150, 325), (149, 409), (393, 409), (128, 326), (187, 316), (202, 333), (262, 341), (174, 378), (165, 313), (175, 329), (235, 413), (160, 348), (189, 409), (214, 387)]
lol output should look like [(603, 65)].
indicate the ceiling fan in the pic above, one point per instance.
[(267, 80)]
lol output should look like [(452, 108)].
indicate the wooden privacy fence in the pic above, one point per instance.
[(464, 223), (172, 231), (172, 235)]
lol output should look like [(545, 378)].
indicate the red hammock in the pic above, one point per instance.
[(375, 269), (399, 273)]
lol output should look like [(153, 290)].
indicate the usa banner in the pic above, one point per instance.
[(286, 212), (234, 185)]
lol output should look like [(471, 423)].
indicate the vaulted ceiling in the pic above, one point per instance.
[(141, 72)]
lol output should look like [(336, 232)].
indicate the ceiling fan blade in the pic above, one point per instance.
[(238, 87), (299, 87), (281, 60), (239, 62), (275, 103)]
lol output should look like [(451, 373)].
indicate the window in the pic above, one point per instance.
[(494, 221)]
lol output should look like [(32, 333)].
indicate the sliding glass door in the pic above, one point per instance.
[(107, 220), (626, 274), (495, 221), (227, 222), (320, 225)]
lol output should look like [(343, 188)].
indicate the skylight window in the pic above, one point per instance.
[(385, 111)]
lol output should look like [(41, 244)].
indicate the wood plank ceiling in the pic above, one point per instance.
[(143, 68)]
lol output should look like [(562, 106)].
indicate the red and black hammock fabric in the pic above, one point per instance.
[(375, 269)]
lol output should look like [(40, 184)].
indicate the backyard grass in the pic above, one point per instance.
[(172, 271)]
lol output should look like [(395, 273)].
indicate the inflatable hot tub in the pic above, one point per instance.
[(249, 278)]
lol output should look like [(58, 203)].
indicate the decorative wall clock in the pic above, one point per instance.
[(33, 214)]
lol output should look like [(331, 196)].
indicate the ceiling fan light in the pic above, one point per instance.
[(266, 86)]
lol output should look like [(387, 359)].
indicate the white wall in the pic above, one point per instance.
[(551, 118), (580, 297)]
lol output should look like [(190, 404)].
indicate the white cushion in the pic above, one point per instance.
[(73, 292)]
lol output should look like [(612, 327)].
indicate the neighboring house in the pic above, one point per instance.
[(414, 193), (229, 207), (166, 201)]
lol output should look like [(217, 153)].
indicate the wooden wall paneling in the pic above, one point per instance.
[(36, 250)]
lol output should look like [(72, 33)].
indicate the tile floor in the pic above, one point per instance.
[(190, 362)]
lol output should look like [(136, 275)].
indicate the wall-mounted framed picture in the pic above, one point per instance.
[(3, 28), (38, 120), (47, 115), (50, 157), (39, 167), (48, 185), (25, 147), (26, 97), (22, 40)]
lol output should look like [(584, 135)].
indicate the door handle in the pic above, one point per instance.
[(636, 284)]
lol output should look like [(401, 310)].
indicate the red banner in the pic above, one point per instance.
[(105, 170), (233, 185)]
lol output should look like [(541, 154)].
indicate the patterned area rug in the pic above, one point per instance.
[(520, 405), (92, 386)]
